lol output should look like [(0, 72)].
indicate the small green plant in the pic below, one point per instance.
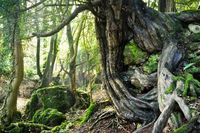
[(188, 80), (151, 65), (133, 54), (29, 73)]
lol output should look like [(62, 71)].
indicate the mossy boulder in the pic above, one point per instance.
[(56, 97), (133, 54), (49, 117)]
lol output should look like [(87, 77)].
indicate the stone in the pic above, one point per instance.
[(56, 97), (49, 117)]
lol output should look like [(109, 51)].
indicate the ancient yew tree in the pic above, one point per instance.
[(120, 21)]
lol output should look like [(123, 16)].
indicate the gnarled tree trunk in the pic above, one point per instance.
[(152, 31)]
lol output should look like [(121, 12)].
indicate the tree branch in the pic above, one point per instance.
[(33, 6), (62, 68), (69, 19)]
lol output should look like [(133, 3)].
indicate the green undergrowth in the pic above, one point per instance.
[(25, 127), (79, 121), (63, 127), (152, 63), (133, 54), (186, 128), (191, 86)]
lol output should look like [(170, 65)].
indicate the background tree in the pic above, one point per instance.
[(13, 24), (167, 5)]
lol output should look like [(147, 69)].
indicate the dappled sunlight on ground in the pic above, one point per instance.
[(21, 104)]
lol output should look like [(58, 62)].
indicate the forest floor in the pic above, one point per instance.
[(103, 120)]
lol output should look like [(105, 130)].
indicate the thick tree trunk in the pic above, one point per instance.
[(152, 31), (112, 35)]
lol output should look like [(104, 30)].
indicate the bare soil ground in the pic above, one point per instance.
[(21, 104)]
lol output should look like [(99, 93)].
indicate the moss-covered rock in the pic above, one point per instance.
[(50, 117), (133, 54), (57, 97)]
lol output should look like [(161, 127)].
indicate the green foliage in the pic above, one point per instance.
[(49, 116), (151, 65), (5, 56), (188, 79), (188, 90), (29, 73), (182, 5), (6, 6), (133, 54), (171, 88), (186, 128), (63, 127), (88, 113), (5, 65), (16, 130)]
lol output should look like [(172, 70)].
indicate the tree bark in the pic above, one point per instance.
[(126, 20), (38, 58), (166, 5), (73, 49), (10, 107), (47, 75), (112, 35)]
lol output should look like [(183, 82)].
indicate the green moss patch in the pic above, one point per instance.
[(88, 113), (152, 64), (133, 54), (186, 128), (50, 117)]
